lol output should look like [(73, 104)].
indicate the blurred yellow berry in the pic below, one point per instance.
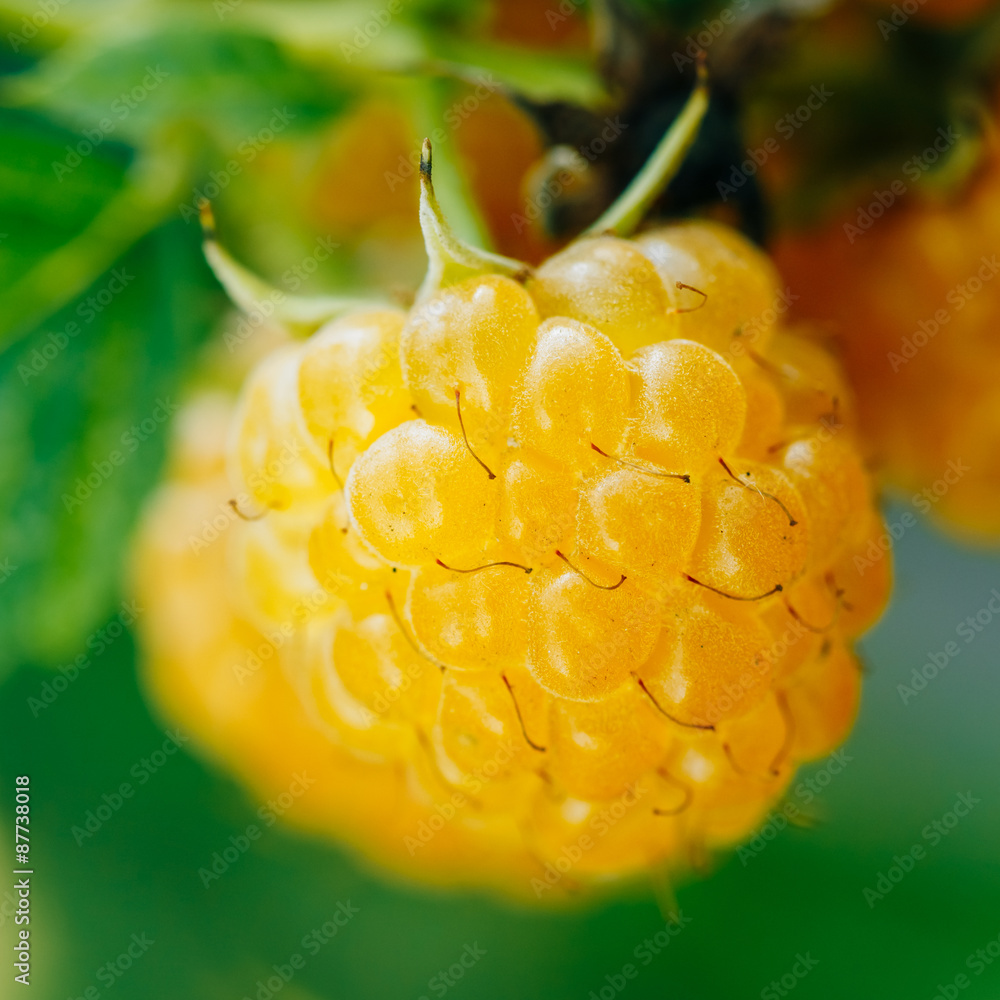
[(912, 302)]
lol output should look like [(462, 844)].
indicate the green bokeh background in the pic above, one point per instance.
[(800, 894)]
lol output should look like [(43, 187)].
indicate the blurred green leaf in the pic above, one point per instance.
[(39, 212), (73, 399), (557, 77), (226, 84)]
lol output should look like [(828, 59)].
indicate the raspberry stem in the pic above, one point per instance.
[(476, 569), (451, 259), (776, 589), (465, 437), (756, 489), (664, 712), (624, 216), (520, 718), (235, 507), (253, 295), (685, 790)]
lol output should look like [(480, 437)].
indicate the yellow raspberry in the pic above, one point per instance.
[(912, 303), (549, 583)]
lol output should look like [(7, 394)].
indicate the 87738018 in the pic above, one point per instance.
[(22, 810)]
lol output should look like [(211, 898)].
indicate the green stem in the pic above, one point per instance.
[(450, 259), (628, 211), (250, 293), (431, 100)]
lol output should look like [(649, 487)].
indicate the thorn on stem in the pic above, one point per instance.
[(752, 486), (683, 476), (234, 504), (476, 569), (465, 437), (786, 745), (776, 589), (690, 309), (520, 718), (599, 586), (406, 635), (207, 219), (671, 780), (663, 711)]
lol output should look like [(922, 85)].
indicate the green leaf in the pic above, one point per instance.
[(85, 407), (38, 211), (68, 209), (196, 77), (557, 77)]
